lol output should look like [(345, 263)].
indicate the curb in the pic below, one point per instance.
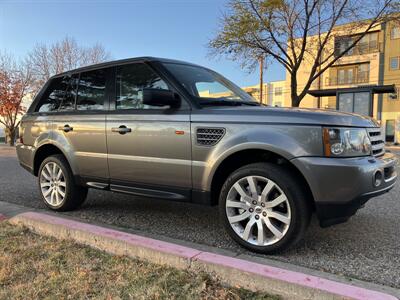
[(3, 217), (234, 271)]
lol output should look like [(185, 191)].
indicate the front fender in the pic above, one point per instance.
[(286, 141)]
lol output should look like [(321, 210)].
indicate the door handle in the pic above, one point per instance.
[(121, 129), (66, 128)]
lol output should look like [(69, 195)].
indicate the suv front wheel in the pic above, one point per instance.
[(57, 187), (264, 208)]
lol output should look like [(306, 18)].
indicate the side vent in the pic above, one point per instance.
[(209, 136)]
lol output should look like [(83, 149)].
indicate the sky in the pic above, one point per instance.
[(178, 29)]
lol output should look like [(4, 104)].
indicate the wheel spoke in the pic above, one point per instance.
[(52, 197), (48, 169), (266, 190), (274, 230), (242, 192), (62, 183), (45, 184), (240, 217), (279, 216), (253, 186), (278, 200), (236, 204), (61, 193), (46, 176), (54, 171), (260, 233), (247, 229), (46, 193), (57, 197), (59, 174)]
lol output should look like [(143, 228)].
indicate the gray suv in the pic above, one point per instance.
[(168, 129)]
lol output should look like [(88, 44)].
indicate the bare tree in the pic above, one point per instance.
[(293, 32), (48, 60), (15, 82)]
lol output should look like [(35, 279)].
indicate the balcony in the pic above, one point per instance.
[(359, 78), (360, 48)]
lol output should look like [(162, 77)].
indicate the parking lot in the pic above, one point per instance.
[(367, 247)]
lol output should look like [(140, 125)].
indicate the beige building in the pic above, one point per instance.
[(274, 93), (360, 82), (355, 82)]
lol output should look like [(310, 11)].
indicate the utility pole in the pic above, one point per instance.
[(261, 60)]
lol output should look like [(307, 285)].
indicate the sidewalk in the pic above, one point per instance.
[(288, 281)]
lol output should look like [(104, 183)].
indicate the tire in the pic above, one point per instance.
[(243, 218), (57, 187)]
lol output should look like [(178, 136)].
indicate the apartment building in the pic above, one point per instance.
[(362, 80), (274, 93)]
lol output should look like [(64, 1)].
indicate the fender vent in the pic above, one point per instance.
[(209, 136)]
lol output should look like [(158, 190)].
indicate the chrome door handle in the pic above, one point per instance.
[(121, 129), (66, 128)]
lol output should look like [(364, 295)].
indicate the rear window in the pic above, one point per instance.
[(53, 96)]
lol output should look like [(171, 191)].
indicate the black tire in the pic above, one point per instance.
[(297, 199), (74, 195)]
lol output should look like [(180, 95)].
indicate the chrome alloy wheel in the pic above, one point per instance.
[(258, 210), (52, 184)]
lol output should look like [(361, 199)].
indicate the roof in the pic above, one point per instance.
[(375, 89), (124, 61)]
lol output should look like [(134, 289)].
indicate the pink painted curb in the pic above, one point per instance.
[(193, 255), (3, 218), (310, 281), (128, 238)]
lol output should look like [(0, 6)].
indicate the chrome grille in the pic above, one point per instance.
[(209, 136), (377, 141)]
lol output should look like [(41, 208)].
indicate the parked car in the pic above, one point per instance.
[(168, 129)]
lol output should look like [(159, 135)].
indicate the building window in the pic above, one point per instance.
[(394, 63), (390, 130), (357, 102), (278, 91), (353, 74), (367, 44), (395, 33)]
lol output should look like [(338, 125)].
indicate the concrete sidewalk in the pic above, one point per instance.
[(288, 281)]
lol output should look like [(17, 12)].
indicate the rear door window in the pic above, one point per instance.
[(53, 96), (92, 90), (68, 102)]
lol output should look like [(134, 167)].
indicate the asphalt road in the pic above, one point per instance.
[(367, 247)]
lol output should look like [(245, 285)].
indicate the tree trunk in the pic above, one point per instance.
[(293, 91), (12, 137)]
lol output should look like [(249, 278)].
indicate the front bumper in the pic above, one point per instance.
[(340, 186)]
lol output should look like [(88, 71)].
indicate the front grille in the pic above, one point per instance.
[(209, 136), (377, 142)]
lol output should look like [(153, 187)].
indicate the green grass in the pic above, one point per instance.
[(39, 267)]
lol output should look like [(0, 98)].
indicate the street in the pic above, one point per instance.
[(366, 247)]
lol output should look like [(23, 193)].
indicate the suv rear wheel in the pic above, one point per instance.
[(58, 189), (264, 208)]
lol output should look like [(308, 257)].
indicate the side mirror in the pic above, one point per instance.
[(158, 97)]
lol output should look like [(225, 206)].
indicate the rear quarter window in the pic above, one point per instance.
[(53, 96)]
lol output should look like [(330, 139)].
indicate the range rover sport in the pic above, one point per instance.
[(168, 129)]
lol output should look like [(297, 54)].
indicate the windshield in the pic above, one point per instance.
[(207, 85)]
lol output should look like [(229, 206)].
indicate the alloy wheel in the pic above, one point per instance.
[(53, 184), (258, 210)]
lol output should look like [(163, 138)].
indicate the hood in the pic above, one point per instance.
[(267, 114)]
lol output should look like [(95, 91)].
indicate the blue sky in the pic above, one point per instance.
[(176, 29)]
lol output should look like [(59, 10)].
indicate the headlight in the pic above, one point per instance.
[(346, 142)]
